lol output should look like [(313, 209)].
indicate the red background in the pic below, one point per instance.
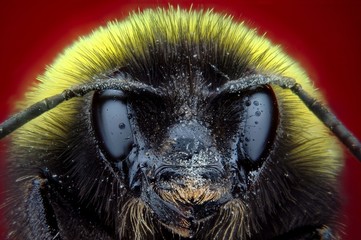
[(324, 35)]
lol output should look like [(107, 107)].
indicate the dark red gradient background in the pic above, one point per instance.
[(324, 35)]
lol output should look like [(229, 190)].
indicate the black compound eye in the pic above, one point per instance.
[(112, 124), (258, 125)]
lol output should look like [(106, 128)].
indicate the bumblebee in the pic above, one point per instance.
[(174, 124)]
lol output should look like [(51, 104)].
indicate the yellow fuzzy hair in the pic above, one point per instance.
[(106, 49)]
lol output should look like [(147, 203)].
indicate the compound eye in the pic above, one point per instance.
[(258, 125), (111, 123)]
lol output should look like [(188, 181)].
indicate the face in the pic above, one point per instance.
[(174, 149)]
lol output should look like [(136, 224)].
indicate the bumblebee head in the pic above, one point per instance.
[(183, 131), (186, 149)]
